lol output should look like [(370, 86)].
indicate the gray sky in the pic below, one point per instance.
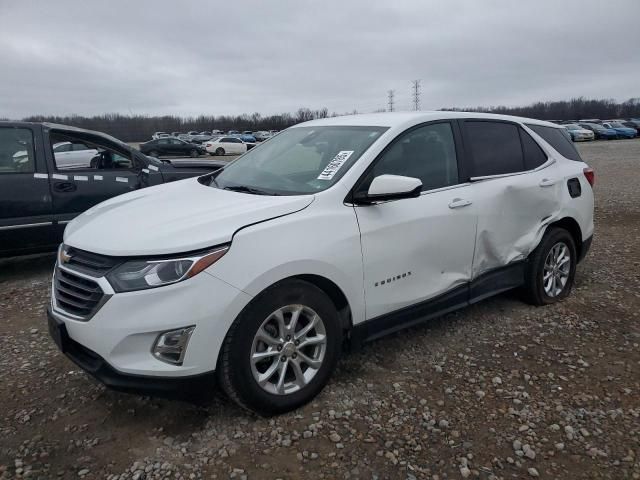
[(188, 58)]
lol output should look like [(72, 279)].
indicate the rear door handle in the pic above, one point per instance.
[(459, 203), (546, 182), (64, 187)]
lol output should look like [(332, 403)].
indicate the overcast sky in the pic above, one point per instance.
[(187, 58)]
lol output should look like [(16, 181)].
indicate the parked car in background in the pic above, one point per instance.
[(217, 132), (159, 135), (171, 146), (225, 145), (175, 134), (599, 131), (233, 132), (247, 132), (590, 120), (44, 183), (262, 135), (333, 234), (621, 130), (248, 139), (578, 133), (206, 133), (631, 124)]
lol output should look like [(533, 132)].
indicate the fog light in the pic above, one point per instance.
[(171, 346)]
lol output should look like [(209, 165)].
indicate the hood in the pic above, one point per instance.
[(173, 218)]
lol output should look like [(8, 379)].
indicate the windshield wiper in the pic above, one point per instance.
[(245, 189)]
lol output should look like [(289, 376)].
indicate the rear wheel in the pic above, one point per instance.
[(551, 268), (281, 350), (219, 151)]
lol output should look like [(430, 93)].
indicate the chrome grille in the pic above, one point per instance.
[(77, 295), (89, 263)]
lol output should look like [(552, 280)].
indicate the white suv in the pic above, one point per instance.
[(336, 230)]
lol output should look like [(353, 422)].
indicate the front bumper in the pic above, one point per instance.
[(122, 331), (189, 387)]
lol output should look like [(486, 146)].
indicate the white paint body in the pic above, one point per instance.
[(444, 237)]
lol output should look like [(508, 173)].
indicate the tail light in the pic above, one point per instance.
[(590, 175), (208, 145)]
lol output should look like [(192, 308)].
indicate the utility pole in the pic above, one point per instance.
[(390, 94), (416, 94)]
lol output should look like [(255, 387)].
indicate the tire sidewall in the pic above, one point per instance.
[(251, 318), (555, 236), (220, 151)]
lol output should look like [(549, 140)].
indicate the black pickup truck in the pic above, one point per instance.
[(50, 173)]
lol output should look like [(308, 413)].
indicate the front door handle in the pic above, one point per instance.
[(459, 203), (547, 182), (65, 187)]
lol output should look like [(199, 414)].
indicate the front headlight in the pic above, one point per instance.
[(143, 274)]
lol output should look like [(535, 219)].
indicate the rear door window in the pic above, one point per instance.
[(495, 148), (534, 156), (559, 139)]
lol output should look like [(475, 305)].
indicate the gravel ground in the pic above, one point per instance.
[(499, 390)]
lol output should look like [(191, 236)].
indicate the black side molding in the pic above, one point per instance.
[(486, 285)]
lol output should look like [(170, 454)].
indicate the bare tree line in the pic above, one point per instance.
[(130, 128), (573, 109)]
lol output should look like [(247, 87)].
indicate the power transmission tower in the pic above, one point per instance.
[(416, 94), (390, 94)]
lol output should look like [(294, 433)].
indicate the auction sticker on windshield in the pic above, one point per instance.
[(334, 165)]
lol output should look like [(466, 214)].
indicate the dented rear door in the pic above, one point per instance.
[(516, 188)]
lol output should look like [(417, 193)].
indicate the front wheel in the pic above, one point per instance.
[(551, 268), (281, 350)]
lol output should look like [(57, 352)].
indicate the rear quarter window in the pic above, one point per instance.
[(558, 139), (495, 147)]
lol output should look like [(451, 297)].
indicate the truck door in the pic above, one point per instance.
[(25, 200), (101, 169)]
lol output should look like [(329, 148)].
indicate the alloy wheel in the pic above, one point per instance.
[(288, 349), (557, 267)]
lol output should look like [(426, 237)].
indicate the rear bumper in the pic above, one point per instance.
[(193, 387)]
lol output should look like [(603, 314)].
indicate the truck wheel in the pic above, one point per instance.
[(194, 153), (220, 151), (154, 153), (281, 350), (551, 268)]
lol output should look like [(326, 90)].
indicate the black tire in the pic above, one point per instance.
[(234, 364), (194, 153), (220, 151), (154, 153), (534, 291)]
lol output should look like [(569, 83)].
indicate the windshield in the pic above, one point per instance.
[(571, 126), (298, 161), (616, 125)]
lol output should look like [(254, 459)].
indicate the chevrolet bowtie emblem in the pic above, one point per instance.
[(64, 256)]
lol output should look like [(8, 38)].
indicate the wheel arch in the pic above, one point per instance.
[(573, 227), (334, 292)]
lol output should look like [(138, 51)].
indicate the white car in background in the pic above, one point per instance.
[(337, 230), (157, 135), (579, 134), (73, 155), (225, 145)]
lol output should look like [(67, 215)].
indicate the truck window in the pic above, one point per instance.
[(81, 154), (16, 150)]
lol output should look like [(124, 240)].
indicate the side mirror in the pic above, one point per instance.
[(390, 187)]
